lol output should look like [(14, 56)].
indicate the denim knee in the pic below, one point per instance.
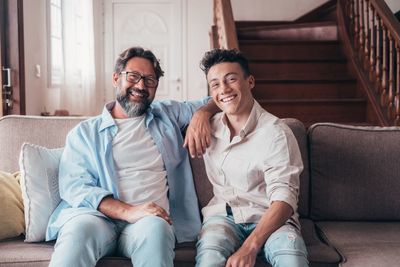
[(153, 227), (218, 240), (83, 240), (148, 242), (286, 247)]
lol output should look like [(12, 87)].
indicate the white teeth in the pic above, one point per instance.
[(137, 94), (227, 99)]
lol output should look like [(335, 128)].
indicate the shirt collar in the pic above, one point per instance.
[(108, 120), (251, 122)]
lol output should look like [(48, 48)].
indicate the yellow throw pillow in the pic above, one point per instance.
[(12, 210)]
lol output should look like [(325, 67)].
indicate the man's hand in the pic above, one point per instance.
[(198, 134), (135, 213), (120, 210), (242, 258)]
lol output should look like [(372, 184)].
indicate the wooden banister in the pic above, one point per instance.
[(371, 37), (223, 32)]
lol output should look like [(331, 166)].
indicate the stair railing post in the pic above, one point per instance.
[(378, 56), (356, 25), (390, 95), (372, 46), (384, 66), (397, 97), (361, 33), (366, 37)]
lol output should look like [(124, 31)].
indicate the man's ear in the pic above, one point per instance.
[(115, 79), (252, 82)]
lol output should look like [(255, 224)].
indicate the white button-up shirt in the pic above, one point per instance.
[(260, 165)]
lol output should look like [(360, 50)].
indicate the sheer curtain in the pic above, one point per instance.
[(78, 90)]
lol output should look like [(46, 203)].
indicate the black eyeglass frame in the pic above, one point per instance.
[(138, 77)]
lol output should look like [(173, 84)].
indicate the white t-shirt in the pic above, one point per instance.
[(139, 166)]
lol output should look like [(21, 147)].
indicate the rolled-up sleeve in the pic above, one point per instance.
[(78, 180), (283, 166), (183, 111)]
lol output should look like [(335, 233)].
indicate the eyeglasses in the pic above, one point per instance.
[(135, 77)]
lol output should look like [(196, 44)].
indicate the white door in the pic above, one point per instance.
[(153, 24)]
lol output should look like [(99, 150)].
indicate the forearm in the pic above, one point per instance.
[(276, 216), (120, 210), (114, 208), (198, 133), (210, 108)]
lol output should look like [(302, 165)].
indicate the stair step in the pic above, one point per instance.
[(245, 24), (304, 89), (291, 50), (301, 31), (302, 70), (323, 110)]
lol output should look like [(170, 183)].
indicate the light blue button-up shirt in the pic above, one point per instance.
[(87, 171)]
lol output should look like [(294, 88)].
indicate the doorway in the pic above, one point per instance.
[(153, 24), (12, 75)]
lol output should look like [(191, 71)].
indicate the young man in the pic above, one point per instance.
[(124, 178), (254, 164)]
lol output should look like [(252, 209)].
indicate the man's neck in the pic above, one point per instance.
[(236, 123), (118, 112)]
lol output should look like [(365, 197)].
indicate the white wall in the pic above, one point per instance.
[(284, 10), (199, 20), (35, 54), (394, 5)]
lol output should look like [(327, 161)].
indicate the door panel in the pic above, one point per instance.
[(12, 57), (152, 24)]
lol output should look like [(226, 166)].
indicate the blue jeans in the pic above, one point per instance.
[(220, 237), (84, 239)]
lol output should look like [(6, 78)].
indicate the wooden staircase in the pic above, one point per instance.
[(302, 72)]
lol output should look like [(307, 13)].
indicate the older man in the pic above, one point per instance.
[(125, 179)]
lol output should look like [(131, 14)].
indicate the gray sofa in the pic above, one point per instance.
[(349, 201)]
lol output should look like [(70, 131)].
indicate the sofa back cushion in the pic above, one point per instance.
[(49, 132), (355, 172), (204, 187)]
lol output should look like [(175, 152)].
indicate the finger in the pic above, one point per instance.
[(208, 139), (185, 142), (204, 145), (192, 147), (164, 215)]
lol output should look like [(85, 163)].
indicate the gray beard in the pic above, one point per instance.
[(133, 109)]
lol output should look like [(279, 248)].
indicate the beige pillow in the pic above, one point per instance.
[(12, 210)]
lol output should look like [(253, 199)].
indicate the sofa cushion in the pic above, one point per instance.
[(12, 209), (45, 131), (39, 184), (319, 253), (15, 252), (354, 172), (299, 132), (366, 244)]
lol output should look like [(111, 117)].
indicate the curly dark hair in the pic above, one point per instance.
[(132, 52), (217, 56)]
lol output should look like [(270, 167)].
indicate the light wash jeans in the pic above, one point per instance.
[(220, 237), (83, 240)]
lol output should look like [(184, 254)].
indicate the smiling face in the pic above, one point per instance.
[(133, 99), (230, 89)]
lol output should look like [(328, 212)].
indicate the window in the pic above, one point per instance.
[(56, 59)]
